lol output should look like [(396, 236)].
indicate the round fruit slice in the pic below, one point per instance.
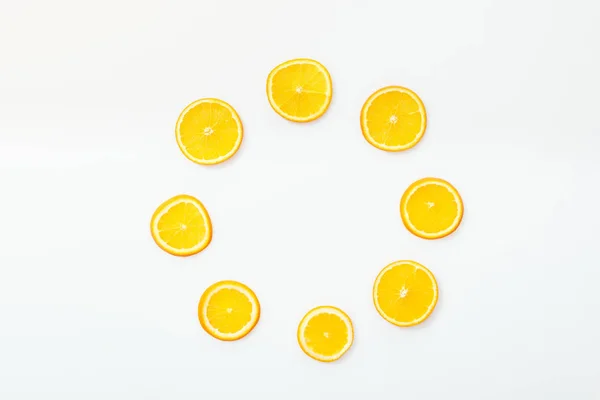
[(228, 310), (405, 293), (431, 208), (325, 333), (181, 226), (393, 119), (299, 90), (209, 131)]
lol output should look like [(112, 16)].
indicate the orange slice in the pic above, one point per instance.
[(228, 310), (299, 90), (209, 131), (181, 226), (393, 119), (405, 293), (325, 333), (431, 208)]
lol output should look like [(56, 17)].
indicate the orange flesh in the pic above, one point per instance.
[(432, 208), (208, 131), (394, 119), (326, 334), (405, 293), (300, 90), (229, 310), (182, 227)]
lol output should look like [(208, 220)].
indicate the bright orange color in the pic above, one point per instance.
[(325, 333), (431, 208), (299, 90), (181, 226), (393, 119), (228, 310), (405, 293), (209, 131)]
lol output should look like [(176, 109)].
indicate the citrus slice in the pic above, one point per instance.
[(181, 226), (405, 293), (325, 333), (209, 131), (431, 208), (393, 119), (299, 90), (228, 310)]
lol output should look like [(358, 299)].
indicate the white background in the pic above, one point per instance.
[(91, 308)]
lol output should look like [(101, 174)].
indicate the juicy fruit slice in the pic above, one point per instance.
[(431, 208), (181, 226), (393, 119), (299, 90), (325, 333), (405, 293), (228, 310), (209, 131)]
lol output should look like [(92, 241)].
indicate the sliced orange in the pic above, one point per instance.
[(181, 226), (405, 293), (209, 131), (299, 90), (431, 208), (228, 310), (393, 119), (325, 333)]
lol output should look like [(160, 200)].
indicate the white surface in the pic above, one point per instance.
[(304, 214)]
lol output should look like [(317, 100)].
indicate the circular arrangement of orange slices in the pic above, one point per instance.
[(209, 131)]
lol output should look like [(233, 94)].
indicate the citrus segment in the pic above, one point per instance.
[(228, 310), (181, 226), (393, 119), (209, 131), (405, 293), (325, 333), (431, 208), (299, 90)]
